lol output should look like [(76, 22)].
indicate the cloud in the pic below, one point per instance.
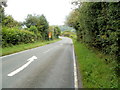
[(54, 10)]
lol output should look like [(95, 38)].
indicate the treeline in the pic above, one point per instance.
[(34, 28), (98, 25), (69, 33)]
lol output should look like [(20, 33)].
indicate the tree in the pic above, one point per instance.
[(40, 22), (57, 31), (33, 29), (31, 20), (43, 27), (8, 21), (72, 19), (2, 5)]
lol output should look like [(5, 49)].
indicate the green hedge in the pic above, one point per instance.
[(13, 36), (98, 24), (35, 31)]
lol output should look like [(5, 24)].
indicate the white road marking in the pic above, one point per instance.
[(61, 44), (75, 71), (30, 60), (48, 50)]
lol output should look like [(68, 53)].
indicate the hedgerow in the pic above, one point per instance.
[(98, 25), (14, 36)]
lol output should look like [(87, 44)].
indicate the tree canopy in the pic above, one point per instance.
[(40, 22)]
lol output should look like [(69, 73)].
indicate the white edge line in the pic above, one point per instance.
[(75, 71)]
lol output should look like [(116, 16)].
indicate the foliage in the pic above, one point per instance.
[(43, 27), (33, 29), (1, 13), (97, 24), (37, 29), (51, 30), (57, 31), (8, 21), (13, 36), (22, 47), (64, 28), (40, 22), (95, 70), (31, 20), (68, 33)]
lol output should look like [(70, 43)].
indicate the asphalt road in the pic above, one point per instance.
[(52, 66)]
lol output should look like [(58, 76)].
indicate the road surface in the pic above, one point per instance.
[(49, 66)]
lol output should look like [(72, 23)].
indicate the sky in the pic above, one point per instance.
[(55, 11)]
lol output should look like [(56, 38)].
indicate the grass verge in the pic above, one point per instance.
[(22, 47), (96, 73)]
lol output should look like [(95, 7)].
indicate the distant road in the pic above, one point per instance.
[(49, 66)]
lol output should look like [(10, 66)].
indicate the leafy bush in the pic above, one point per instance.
[(35, 30), (97, 24), (68, 33), (39, 22), (55, 32), (13, 36)]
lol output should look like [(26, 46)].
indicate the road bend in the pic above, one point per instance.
[(49, 66)]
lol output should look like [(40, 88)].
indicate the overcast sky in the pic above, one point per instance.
[(54, 10)]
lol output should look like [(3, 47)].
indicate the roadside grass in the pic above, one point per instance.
[(95, 71), (22, 47)]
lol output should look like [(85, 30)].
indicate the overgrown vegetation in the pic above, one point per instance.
[(97, 25), (14, 36), (34, 28), (69, 33), (22, 47), (95, 71), (65, 27), (54, 32), (40, 23)]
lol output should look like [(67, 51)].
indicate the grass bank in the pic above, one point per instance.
[(95, 71), (22, 47)]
